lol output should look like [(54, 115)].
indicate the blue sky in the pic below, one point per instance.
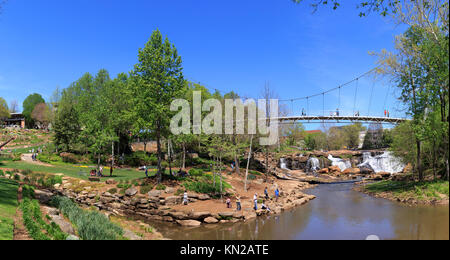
[(226, 45)]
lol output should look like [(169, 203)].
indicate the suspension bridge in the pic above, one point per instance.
[(338, 115)]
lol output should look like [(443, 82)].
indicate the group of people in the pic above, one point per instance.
[(97, 173), (386, 113)]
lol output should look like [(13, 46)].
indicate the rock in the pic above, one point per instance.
[(169, 190), (189, 223), (57, 186), (65, 226), (44, 197), (172, 200), (72, 237), (130, 235), (210, 220), (226, 214), (92, 195), (199, 215), (385, 174), (131, 191), (238, 215), (204, 197), (154, 193), (324, 171), (111, 181), (352, 171), (178, 215), (334, 169), (67, 185)]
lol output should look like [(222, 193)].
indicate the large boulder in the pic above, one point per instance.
[(204, 197), (65, 226), (334, 169), (154, 193), (199, 215), (324, 171), (210, 220), (131, 191), (352, 171), (44, 197), (189, 223), (172, 200)]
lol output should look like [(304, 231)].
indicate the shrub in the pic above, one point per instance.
[(16, 177), (112, 191), (196, 172), (2, 173), (27, 172), (91, 225), (160, 187), (146, 188), (141, 158), (28, 191)]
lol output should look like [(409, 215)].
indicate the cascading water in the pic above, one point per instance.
[(313, 164), (342, 164), (283, 164), (385, 162)]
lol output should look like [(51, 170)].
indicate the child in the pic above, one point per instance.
[(263, 206), (185, 198), (228, 203), (255, 200)]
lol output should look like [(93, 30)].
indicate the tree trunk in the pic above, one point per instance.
[(184, 156), (267, 163), (419, 160), (158, 144), (112, 161), (248, 164), (220, 172), (169, 145), (236, 162)]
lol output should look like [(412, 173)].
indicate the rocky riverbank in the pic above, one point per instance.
[(167, 207)]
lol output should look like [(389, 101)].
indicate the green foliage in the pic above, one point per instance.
[(141, 158), (28, 191), (146, 188), (422, 191), (91, 225), (112, 190), (8, 205), (205, 184), (28, 106), (196, 172), (160, 187)]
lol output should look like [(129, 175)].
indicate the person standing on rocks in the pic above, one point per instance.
[(185, 198), (238, 203), (266, 193), (228, 203), (255, 200), (277, 194)]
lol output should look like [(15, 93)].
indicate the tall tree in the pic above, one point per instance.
[(28, 106), (4, 111), (156, 80)]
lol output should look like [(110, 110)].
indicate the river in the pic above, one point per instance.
[(337, 213)]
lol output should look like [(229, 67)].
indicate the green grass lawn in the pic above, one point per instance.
[(421, 191), (80, 172), (8, 206)]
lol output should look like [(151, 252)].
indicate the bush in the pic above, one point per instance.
[(160, 187), (27, 172), (2, 173), (141, 158), (146, 188), (112, 191), (28, 191), (16, 177), (196, 172), (91, 225)]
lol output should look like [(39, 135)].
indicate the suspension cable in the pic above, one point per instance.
[(370, 101)]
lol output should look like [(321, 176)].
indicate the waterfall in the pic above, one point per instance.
[(283, 164), (385, 162), (341, 163), (313, 164)]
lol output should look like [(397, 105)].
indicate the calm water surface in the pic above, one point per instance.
[(336, 213)]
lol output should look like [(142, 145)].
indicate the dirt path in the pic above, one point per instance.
[(20, 232), (26, 157)]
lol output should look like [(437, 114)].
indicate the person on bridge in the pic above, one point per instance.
[(385, 112), (337, 112)]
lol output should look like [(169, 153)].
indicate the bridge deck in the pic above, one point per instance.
[(344, 119)]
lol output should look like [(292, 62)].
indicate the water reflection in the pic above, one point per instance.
[(337, 213)]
